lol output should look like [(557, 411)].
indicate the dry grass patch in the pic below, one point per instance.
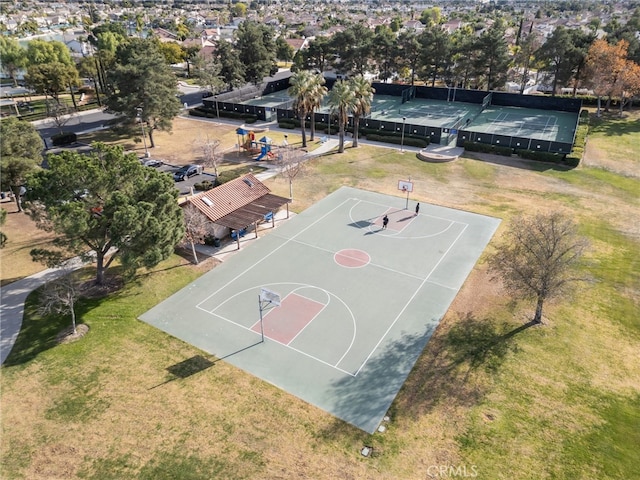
[(23, 236)]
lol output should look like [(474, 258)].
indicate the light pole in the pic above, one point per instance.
[(402, 136), (144, 138)]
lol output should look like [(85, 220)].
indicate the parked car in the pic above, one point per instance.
[(151, 162), (186, 172)]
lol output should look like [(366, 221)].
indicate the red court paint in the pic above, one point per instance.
[(352, 258), (283, 323)]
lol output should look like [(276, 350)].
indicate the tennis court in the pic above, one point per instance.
[(390, 108), (357, 303), (547, 125), (272, 100), (420, 111)]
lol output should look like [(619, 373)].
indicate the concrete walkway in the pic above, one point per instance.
[(12, 298)]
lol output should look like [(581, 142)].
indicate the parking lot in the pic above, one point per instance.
[(184, 186)]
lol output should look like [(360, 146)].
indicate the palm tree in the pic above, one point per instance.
[(363, 93), (341, 101), (316, 94), (300, 88)]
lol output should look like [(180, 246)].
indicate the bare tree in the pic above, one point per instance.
[(291, 163), (61, 295), (210, 153), (61, 114), (196, 228), (538, 258), (3, 219)]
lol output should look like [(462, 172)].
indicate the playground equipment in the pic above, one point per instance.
[(247, 141), (265, 149)]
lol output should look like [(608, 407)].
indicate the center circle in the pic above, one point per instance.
[(352, 258)]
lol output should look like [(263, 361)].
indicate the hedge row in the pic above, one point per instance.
[(205, 185), (573, 159), (370, 134), (486, 148), (227, 175), (211, 113), (541, 156), (62, 139), (409, 142)]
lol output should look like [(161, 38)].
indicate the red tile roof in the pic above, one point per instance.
[(237, 203)]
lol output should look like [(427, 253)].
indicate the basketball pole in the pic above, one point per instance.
[(406, 206), (261, 322)]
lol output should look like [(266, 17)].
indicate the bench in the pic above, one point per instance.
[(240, 233)]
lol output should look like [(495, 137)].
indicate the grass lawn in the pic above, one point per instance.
[(15, 260), (487, 397)]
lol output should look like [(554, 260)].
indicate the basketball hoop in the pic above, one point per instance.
[(270, 297), (406, 186)]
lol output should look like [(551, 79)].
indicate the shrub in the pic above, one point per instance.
[(573, 158), (211, 241), (204, 185), (212, 113), (408, 141), (228, 175), (197, 112), (62, 139), (293, 121), (487, 148), (541, 156)]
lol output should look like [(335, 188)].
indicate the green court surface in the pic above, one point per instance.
[(548, 125), (358, 303), (420, 111)]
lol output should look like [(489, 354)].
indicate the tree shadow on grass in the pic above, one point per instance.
[(442, 373), (611, 124), (40, 333)]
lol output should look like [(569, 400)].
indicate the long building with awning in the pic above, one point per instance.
[(238, 205)]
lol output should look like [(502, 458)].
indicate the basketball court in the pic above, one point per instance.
[(330, 306)]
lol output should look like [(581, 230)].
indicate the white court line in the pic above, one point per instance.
[(324, 305), (353, 321), (273, 251), (443, 286), (496, 121), (397, 233), (289, 346), (300, 286), (315, 247), (293, 239), (382, 205), (409, 301)]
